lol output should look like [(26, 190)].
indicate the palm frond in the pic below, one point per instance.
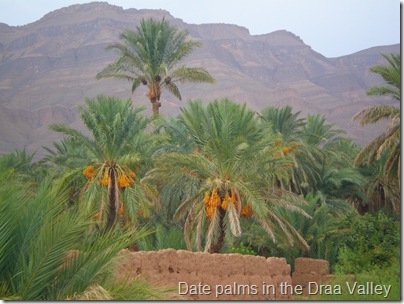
[(188, 74), (373, 114), (391, 74), (234, 220), (213, 230)]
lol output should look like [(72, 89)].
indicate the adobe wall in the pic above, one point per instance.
[(311, 270), (206, 276)]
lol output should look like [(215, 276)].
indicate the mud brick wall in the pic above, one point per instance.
[(311, 270), (168, 267)]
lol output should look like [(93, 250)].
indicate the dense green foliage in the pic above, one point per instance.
[(373, 240), (49, 252)]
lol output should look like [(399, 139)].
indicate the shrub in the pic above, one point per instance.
[(242, 249), (374, 240)]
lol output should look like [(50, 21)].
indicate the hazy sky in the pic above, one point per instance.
[(332, 28)]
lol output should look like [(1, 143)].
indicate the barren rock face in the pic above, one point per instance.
[(205, 276), (51, 64)]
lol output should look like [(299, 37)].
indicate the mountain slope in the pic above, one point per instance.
[(48, 67)]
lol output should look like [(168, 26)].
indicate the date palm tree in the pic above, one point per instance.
[(150, 56), (389, 141), (302, 176), (230, 174), (109, 160)]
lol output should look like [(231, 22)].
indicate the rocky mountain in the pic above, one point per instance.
[(48, 67)]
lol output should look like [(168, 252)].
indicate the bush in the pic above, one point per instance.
[(374, 240), (242, 249)]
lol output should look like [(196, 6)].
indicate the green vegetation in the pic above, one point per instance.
[(49, 252), (373, 240), (377, 275), (215, 178), (242, 249)]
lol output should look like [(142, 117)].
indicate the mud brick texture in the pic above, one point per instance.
[(168, 267)]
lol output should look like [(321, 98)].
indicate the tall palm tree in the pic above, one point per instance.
[(150, 56), (389, 141), (109, 159), (230, 174)]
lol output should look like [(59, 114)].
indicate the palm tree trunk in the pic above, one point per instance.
[(113, 198), (154, 96), (155, 106), (215, 248)]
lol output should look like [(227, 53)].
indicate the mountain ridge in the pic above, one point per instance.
[(49, 66)]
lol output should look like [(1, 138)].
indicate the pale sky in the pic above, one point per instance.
[(331, 28)]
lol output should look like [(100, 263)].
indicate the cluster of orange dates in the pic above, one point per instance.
[(213, 200), (286, 149), (124, 179)]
